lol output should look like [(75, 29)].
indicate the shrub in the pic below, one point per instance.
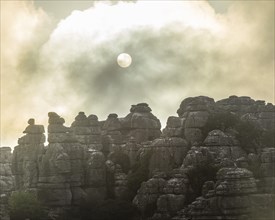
[(199, 175), (221, 121), (122, 159), (248, 134), (24, 205)]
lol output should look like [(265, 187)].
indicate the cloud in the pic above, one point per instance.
[(179, 49), (23, 30)]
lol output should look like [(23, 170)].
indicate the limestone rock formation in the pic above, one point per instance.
[(167, 153), (120, 183), (62, 166), (174, 196), (132, 150), (57, 132), (26, 156), (111, 134), (195, 112), (141, 124), (6, 181), (223, 145), (163, 195), (87, 131), (189, 171), (95, 178), (230, 198), (149, 193), (6, 177), (264, 113), (262, 202), (174, 127)]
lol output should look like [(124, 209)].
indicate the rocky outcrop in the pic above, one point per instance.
[(121, 190), (228, 199), (163, 194), (267, 171), (223, 145), (132, 150), (87, 131), (95, 178), (26, 156), (112, 137), (195, 112), (262, 202), (189, 171), (263, 113), (149, 193), (174, 196), (6, 181), (174, 127), (141, 124), (167, 153), (71, 167), (6, 177)]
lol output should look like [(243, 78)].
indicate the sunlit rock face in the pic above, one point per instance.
[(87, 131), (72, 166), (26, 156)]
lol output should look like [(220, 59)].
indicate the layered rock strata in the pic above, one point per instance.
[(93, 160), (6, 181)]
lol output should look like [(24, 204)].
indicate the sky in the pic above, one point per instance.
[(61, 56)]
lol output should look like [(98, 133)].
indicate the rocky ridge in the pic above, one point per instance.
[(184, 171)]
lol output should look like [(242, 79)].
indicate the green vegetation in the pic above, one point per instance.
[(248, 133), (221, 121), (198, 176), (249, 136), (24, 205), (122, 159)]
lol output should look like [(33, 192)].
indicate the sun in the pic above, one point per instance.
[(124, 60)]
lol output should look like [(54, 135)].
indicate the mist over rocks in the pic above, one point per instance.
[(200, 166)]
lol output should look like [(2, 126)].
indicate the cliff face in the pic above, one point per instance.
[(198, 167), (6, 181)]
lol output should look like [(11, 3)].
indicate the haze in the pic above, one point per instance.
[(62, 56)]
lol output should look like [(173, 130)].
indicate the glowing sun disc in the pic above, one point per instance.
[(124, 60)]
